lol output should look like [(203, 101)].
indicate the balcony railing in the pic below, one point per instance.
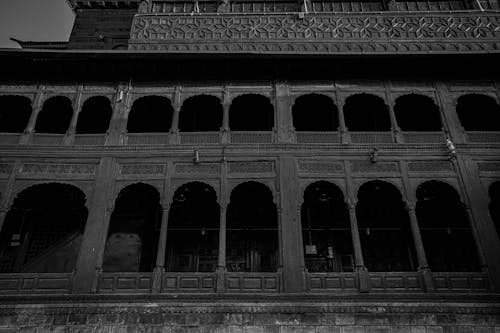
[(9, 138), (482, 137)]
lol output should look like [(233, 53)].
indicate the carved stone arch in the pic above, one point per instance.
[(377, 93), (46, 97), (490, 94), (269, 183), (235, 94), (23, 185), (429, 94), (187, 95), (297, 94), (305, 183), (176, 184), (122, 184), (31, 97), (452, 182), (396, 182)]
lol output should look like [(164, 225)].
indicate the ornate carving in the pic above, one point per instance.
[(430, 166), (367, 166), (251, 167), (489, 166), (64, 169), (143, 169), (455, 32), (211, 169), (321, 167), (5, 168)]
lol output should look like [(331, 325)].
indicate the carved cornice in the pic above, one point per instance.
[(319, 33)]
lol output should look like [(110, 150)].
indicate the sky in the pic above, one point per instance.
[(34, 20)]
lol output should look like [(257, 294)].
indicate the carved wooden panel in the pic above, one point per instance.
[(430, 166), (47, 139), (319, 33), (460, 281), (332, 281), (200, 138), (36, 283), (488, 137), (190, 282), (152, 169), (246, 167), (5, 169), (321, 167), (424, 137), (58, 169), (90, 139), (125, 282), (251, 137), (489, 167), (317, 137), (252, 282), (9, 138), (371, 137), (204, 168), (363, 167), (397, 281), (148, 138)]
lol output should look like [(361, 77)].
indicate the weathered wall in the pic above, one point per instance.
[(254, 317)]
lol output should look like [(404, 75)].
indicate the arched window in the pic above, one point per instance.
[(193, 229), (133, 231), (417, 113), (95, 116), (55, 116), (252, 229), (314, 112), (251, 112), (366, 112), (494, 206), (150, 114), (201, 113), (478, 113), (445, 228), (15, 112), (326, 230), (384, 228), (43, 230)]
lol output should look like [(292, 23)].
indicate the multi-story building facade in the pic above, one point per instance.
[(254, 166)]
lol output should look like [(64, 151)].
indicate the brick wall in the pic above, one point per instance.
[(255, 317), (101, 28)]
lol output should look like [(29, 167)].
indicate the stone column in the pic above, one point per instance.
[(36, 108), (293, 256), (226, 104), (451, 122), (6, 199), (162, 247), (96, 228), (363, 278), (121, 108), (221, 262), (398, 135), (423, 267), (344, 135), (284, 124), (174, 129), (69, 138)]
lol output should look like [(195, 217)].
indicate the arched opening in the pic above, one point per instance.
[(417, 113), (252, 229), (251, 112), (445, 229), (478, 113), (202, 113), (150, 114), (326, 231), (193, 229), (494, 206), (314, 112), (366, 112), (95, 116), (133, 230), (384, 228), (43, 230), (15, 112), (55, 116)]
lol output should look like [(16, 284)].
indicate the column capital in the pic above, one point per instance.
[(351, 203), (410, 205)]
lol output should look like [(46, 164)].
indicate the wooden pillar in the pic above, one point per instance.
[(174, 129), (293, 257), (96, 228), (398, 135), (223, 200), (284, 121), (226, 104), (162, 247), (6, 199), (483, 229), (121, 109), (363, 277), (344, 134), (69, 138), (447, 106), (36, 108)]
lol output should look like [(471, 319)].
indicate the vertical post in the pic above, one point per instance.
[(363, 277), (221, 262), (174, 129), (96, 228), (398, 136), (36, 108), (449, 114), (162, 246), (226, 104), (6, 198), (344, 135), (121, 109), (284, 122), (69, 138)]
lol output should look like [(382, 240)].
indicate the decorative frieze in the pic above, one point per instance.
[(323, 167), (208, 168), (378, 167), (142, 169), (5, 168), (319, 33), (430, 166), (58, 169), (489, 166), (251, 167)]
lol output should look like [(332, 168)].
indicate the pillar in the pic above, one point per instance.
[(6, 199), (292, 253), (423, 267), (398, 135), (284, 122), (96, 228), (162, 247), (449, 114), (174, 128), (36, 108), (121, 108), (226, 104), (69, 138), (221, 262), (363, 277), (344, 135)]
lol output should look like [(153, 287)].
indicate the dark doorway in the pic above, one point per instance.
[(150, 114), (133, 231), (366, 113), (55, 116), (315, 112), (251, 112), (43, 230), (15, 112), (417, 113), (95, 116), (193, 229), (252, 229), (445, 228), (384, 228), (202, 113), (326, 231), (478, 113)]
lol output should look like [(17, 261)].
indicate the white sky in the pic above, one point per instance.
[(35, 20)]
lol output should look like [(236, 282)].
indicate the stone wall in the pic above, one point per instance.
[(293, 316)]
